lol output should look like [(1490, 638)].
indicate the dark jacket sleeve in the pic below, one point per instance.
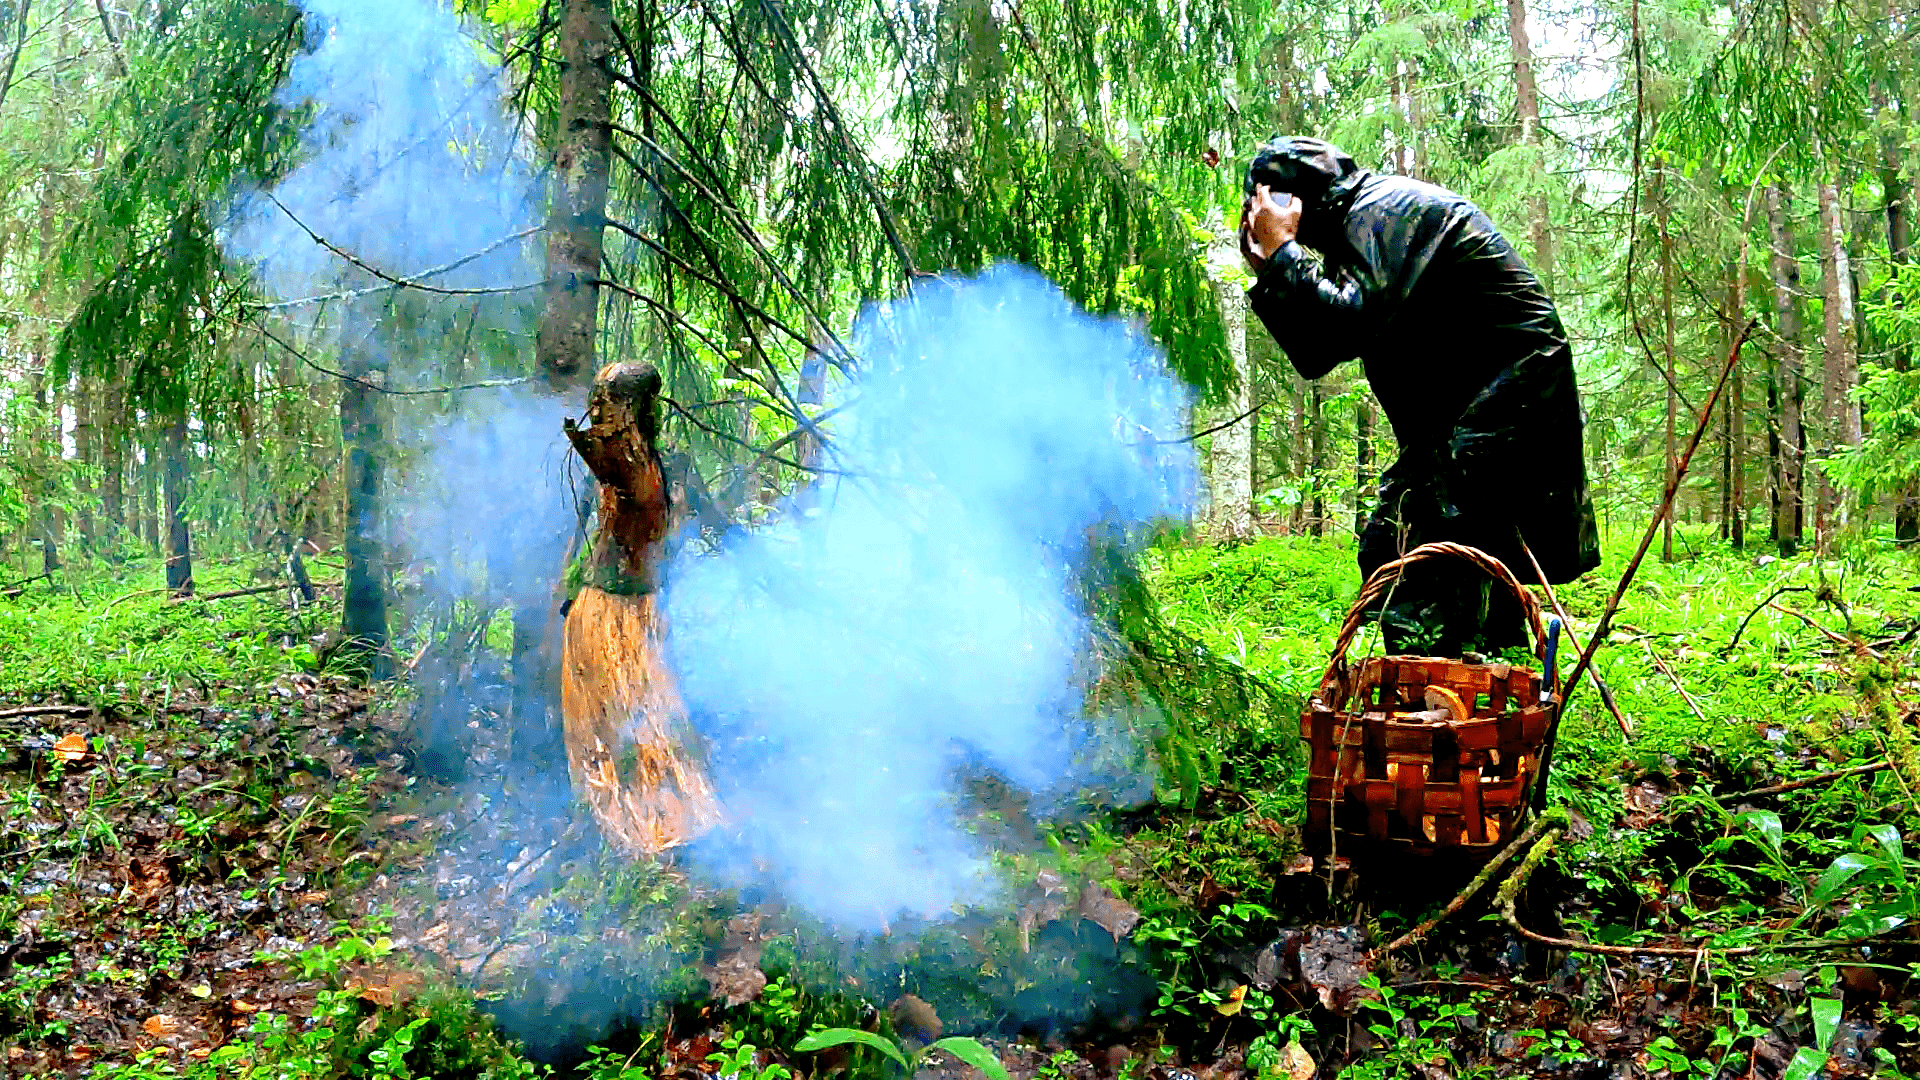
[(1315, 319)]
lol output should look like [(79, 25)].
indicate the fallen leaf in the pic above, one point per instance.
[(1295, 1062), (1112, 914), (70, 748), (386, 988), (913, 1016), (243, 1006), (1643, 801), (1231, 1006), (1036, 913), (161, 1025), (308, 899), (736, 977)]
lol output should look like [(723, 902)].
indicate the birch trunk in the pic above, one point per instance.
[(1840, 367), (1230, 465)]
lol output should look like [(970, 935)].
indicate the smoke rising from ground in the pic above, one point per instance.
[(922, 611), (913, 614)]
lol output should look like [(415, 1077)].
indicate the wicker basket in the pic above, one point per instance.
[(1416, 784)]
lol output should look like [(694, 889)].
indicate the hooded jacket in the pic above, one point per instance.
[(1460, 344)]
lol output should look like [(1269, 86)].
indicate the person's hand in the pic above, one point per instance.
[(1267, 225)]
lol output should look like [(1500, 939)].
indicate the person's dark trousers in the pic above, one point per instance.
[(1439, 607)]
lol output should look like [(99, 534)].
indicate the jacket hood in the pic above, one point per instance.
[(1318, 173)]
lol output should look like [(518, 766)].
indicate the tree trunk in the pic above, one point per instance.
[(85, 455), (1230, 464), (1898, 195), (179, 546), (576, 226), (1665, 214), (113, 459), (1790, 522), (364, 618), (1298, 394), (1362, 460), (1840, 369), (1736, 403), (1317, 402), (149, 498), (1526, 97), (565, 342)]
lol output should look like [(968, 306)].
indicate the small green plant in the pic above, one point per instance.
[(20, 996), (738, 1059), (967, 1050), (1665, 1054), (1414, 1033)]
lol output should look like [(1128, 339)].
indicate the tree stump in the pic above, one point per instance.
[(630, 748)]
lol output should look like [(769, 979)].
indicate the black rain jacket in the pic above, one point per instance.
[(1461, 346)]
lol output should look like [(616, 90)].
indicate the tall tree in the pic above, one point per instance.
[(1789, 517), (1526, 97), (1840, 411)]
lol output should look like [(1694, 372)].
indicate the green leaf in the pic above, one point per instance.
[(1834, 880), (1805, 1064), (1767, 824), (1826, 1021), (821, 1040), (1888, 838), (974, 1054)]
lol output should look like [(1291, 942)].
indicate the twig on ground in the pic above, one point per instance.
[(1815, 781), (1771, 597), (1510, 892), (1414, 936), (1675, 680), (1831, 635), (128, 596), (47, 710), (253, 591)]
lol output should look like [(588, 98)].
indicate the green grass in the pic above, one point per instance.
[(114, 637)]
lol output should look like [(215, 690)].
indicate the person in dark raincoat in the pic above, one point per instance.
[(1468, 359)]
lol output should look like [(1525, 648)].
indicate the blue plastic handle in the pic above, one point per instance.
[(1552, 677)]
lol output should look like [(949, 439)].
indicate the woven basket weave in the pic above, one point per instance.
[(1417, 786)]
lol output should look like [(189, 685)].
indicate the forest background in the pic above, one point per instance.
[(1671, 172)]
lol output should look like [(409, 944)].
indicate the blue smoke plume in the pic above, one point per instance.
[(920, 607)]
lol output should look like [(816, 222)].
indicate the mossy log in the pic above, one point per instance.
[(630, 749)]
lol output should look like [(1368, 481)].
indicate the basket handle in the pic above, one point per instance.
[(1333, 685)]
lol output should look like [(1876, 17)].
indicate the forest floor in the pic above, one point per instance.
[(219, 861)]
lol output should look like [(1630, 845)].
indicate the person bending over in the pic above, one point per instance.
[(1467, 357)]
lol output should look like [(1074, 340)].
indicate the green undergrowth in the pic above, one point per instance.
[(1141, 919), (109, 635)]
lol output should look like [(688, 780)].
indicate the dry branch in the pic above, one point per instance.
[(1815, 781), (47, 710)]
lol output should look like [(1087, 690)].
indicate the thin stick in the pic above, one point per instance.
[(1415, 935), (1815, 781), (47, 710), (253, 591), (1831, 635), (1510, 893), (1675, 680), (1646, 541), (1771, 597), (1566, 621)]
